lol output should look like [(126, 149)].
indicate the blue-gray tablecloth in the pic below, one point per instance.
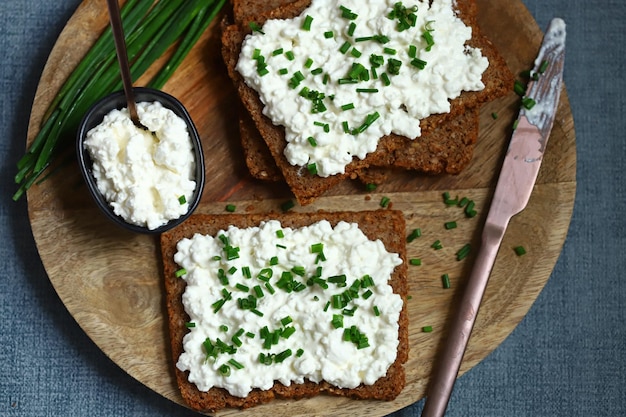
[(566, 358)]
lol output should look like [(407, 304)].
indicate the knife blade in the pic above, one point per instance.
[(513, 189)]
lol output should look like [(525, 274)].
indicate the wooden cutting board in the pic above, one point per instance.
[(111, 283)]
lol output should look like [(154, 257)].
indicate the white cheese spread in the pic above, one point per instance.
[(345, 73), (270, 304), (147, 178)]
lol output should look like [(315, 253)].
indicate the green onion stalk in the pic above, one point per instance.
[(151, 28)]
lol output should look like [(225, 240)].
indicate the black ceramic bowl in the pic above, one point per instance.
[(94, 117)]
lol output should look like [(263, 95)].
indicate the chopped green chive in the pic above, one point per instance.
[(412, 51), (224, 370), (519, 250), (415, 261), (544, 66), (436, 245), (308, 63), (450, 225), (337, 321), (393, 66), (283, 71), (376, 311), (418, 63), (190, 325), (348, 106), (231, 208), (287, 205), (306, 25), (245, 271), (385, 78), (312, 141), (277, 51), (384, 202), (312, 168), (180, 272), (528, 103), (494, 115), (329, 34), (347, 13), (235, 364), (519, 88), (414, 235), (344, 48), (428, 37), (367, 90), (427, 329), (255, 27), (289, 55), (445, 281), (351, 28), (355, 53), (389, 51), (463, 252), (182, 200), (242, 287), (371, 187)]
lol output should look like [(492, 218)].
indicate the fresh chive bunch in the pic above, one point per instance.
[(151, 28)]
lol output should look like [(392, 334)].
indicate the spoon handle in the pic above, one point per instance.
[(122, 56)]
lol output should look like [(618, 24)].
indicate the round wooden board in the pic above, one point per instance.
[(111, 283)]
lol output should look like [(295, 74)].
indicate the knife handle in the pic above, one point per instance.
[(442, 382)]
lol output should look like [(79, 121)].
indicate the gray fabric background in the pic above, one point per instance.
[(566, 358)]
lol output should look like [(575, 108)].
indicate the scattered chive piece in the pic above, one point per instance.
[(415, 261), (287, 205), (235, 364), (317, 71), (280, 234), (180, 272), (385, 78), (367, 294), (414, 235), (306, 25), (376, 311), (367, 90), (256, 28), (242, 287), (436, 245), (283, 71), (418, 63), (257, 312), (274, 260), (347, 13), (290, 56), (528, 103), (543, 67), (412, 51), (428, 37), (329, 34), (270, 288), (245, 271), (370, 187), (277, 51), (427, 329), (450, 225), (337, 321), (189, 325), (519, 88), (344, 48), (299, 352), (182, 200), (519, 250), (312, 141), (308, 63), (224, 328), (348, 106), (494, 115), (515, 123), (224, 370), (231, 208), (312, 168), (384, 202), (351, 28), (445, 281), (463, 252), (389, 51), (258, 291)]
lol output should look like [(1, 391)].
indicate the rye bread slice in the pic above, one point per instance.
[(498, 81), (386, 225)]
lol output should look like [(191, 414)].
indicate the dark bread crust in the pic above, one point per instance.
[(449, 149), (386, 225)]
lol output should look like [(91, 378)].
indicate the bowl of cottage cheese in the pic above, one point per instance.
[(147, 181)]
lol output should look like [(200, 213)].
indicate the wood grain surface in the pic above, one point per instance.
[(111, 282)]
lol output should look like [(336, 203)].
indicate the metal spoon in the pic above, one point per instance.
[(122, 57)]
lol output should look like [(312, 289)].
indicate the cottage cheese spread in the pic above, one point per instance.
[(343, 74), (289, 298), (147, 179)]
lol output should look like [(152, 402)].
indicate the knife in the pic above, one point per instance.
[(515, 184)]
